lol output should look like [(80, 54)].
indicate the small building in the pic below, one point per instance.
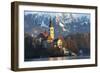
[(50, 40)]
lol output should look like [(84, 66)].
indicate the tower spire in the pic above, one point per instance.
[(51, 30), (50, 25)]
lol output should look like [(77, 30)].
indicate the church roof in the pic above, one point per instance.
[(61, 38), (45, 34)]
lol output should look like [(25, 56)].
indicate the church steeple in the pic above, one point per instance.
[(51, 30), (50, 25)]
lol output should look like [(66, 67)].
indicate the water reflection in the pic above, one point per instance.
[(59, 58)]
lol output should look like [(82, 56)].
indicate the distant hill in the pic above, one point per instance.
[(78, 24)]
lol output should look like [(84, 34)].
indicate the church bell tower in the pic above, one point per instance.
[(51, 30)]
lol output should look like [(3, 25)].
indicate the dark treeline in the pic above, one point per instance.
[(34, 48), (78, 42)]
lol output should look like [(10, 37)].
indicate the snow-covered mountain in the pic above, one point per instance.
[(67, 22)]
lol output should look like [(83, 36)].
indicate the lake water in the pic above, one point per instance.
[(59, 58)]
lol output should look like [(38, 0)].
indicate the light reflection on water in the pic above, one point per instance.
[(59, 58)]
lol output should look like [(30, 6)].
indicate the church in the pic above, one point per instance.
[(51, 36)]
